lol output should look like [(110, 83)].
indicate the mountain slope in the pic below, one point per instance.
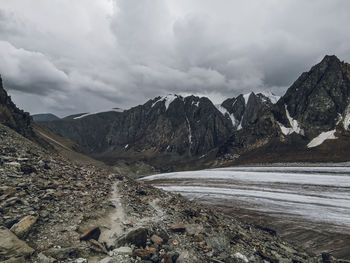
[(13, 117), (319, 99), (190, 132), (44, 117), (172, 125), (308, 124)]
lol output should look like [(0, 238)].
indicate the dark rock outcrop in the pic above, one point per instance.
[(319, 99), (247, 109), (13, 117), (172, 125)]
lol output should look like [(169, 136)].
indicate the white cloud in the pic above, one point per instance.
[(30, 72), (87, 54)]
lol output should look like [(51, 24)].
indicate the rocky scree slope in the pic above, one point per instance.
[(53, 210)]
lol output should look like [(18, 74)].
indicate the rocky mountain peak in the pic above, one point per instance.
[(13, 117), (246, 108), (319, 99)]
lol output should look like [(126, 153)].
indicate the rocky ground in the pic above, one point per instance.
[(55, 210)]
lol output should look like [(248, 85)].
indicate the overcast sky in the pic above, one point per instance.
[(70, 56)]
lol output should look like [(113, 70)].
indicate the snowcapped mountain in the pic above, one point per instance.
[(172, 128)]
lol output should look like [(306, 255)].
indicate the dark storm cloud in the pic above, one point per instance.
[(83, 55)]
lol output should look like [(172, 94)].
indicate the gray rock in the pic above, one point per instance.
[(137, 237), (62, 253), (22, 228), (107, 260), (11, 246), (42, 258), (123, 251)]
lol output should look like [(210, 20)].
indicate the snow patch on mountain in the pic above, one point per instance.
[(97, 112), (246, 97), (272, 97), (293, 123), (226, 113), (346, 120), (189, 131), (321, 138), (168, 99), (195, 103)]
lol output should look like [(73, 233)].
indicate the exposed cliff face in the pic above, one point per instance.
[(319, 99), (315, 107), (172, 125), (247, 109), (13, 117), (300, 126)]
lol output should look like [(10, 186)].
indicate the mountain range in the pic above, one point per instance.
[(310, 123), (189, 132)]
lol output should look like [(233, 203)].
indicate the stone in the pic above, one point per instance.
[(42, 258), (97, 246), (328, 258), (93, 233), (7, 190), (80, 260), (218, 243), (27, 168), (22, 228), (193, 229), (179, 227), (11, 246), (198, 238), (142, 253), (107, 260), (137, 237), (157, 239), (15, 260), (62, 253), (123, 251)]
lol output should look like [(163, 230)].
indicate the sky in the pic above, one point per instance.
[(73, 56)]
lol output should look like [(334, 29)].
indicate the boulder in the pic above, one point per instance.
[(11, 246), (15, 260), (194, 229), (93, 233), (122, 251), (179, 227), (62, 253), (157, 239), (143, 253), (137, 237), (22, 228)]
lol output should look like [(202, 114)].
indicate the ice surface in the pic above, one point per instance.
[(317, 194), (321, 138)]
